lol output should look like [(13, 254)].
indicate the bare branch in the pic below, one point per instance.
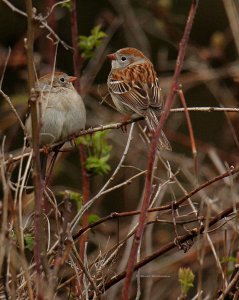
[(40, 19)]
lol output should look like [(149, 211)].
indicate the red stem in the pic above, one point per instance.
[(152, 151), (77, 64), (86, 196), (190, 129), (36, 175), (50, 49), (77, 59)]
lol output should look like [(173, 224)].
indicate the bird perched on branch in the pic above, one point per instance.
[(134, 88), (61, 111)]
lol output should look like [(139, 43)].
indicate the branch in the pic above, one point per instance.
[(153, 147), (76, 219), (13, 159), (137, 119), (77, 58), (175, 205), (13, 109), (41, 20), (166, 248), (37, 180)]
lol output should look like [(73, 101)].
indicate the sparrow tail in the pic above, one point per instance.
[(152, 123)]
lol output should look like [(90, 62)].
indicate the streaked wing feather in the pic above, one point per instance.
[(119, 87), (131, 94), (156, 99)]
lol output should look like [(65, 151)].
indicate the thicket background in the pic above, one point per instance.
[(209, 78)]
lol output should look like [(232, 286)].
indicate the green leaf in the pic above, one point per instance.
[(96, 165), (87, 44), (93, 218), (77, 198), (67, 5), (186, 278), (228, 259), (98, 152), (29, 241)]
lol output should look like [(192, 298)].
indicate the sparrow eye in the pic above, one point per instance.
[(123, 58), (62, 79)]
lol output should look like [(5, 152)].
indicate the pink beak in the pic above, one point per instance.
[(111, 56), (71, 78)]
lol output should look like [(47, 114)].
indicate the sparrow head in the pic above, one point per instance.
[(57, 79), (125, 57)]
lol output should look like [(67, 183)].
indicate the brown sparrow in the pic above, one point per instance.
[(61, 111), (134, 88)]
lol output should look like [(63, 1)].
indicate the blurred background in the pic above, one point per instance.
[(210, 77)]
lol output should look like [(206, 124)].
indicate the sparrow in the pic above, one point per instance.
[(134, 88), (61, 111)]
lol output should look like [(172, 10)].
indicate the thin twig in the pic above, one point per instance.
[(5, 66), (230, 286), (219, 266), (176, 204), (41, 20), (233, 14), (190, 129), (171, 245), (90, 202), (13, 109)]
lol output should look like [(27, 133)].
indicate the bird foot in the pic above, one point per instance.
[(124, 122), (46, 149), (124, 128), (73, 138)]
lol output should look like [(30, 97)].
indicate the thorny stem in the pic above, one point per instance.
[(152, 152)]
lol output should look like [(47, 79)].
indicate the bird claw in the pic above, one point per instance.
[(124, 128), (73, 140), (125, 123), (185, 246), (46, 149)]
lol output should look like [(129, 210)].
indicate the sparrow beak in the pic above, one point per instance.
[(111, 56), (71, 78)]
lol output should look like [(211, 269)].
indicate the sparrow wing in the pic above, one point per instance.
[(155, 95), (131, 94), (137, 87)]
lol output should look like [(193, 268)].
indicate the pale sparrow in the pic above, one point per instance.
[(134, 88), (61, 110), (61, 113)]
